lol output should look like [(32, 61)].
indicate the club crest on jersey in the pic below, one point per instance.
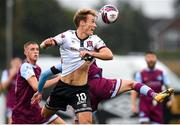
[(89, 44)]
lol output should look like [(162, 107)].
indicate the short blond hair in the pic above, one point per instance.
[(81, 14), (28, 43)]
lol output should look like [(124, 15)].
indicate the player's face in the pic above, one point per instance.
[(89, 25), (151, 60), (32, 52)]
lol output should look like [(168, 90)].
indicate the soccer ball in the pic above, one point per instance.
[(109, 14)]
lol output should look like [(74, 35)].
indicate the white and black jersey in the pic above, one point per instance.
[(70, 46)]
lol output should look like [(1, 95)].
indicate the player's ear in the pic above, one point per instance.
[(25, 51), (82, 22)]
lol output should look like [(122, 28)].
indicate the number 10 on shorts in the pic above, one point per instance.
[(81, 98)]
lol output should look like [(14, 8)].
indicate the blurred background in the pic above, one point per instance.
[(142, 25)]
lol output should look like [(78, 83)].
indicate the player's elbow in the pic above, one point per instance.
[(110, 56)]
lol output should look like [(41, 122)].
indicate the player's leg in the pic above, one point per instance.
[(80, 101), (54, 119), (127, 85), (84, 117), (56, 101), (46, 112), (144, 112), (9, 115), (57, 120)]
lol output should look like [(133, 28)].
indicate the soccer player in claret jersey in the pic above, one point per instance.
[(8, 80), (26, 85), (77, 48), (149, 110), (101, 88)]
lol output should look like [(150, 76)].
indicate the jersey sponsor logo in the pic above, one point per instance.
[(74, 49)]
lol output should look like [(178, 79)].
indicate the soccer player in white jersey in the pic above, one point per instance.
[(77, 49)]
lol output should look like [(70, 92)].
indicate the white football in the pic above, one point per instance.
[(109, 14)]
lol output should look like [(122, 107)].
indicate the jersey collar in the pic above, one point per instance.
[(80, 38)]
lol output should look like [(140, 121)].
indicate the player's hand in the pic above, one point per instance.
[(48, 42), (86, 55), (36, 98)]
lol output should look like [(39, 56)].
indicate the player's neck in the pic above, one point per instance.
[(33, 62), (81, 35)]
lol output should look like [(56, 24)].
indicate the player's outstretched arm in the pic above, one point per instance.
[(103, 54), (52, 81), (38, 95), (43, 83), (47, 43), (42, 80), (46, 74)]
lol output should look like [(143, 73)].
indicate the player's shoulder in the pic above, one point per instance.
[(67, 33), (144, 70), (94, 36), (26, 66), (159, 70)]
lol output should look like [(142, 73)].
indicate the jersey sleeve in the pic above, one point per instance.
[(46, 74), (56, 69), (99, 43), (166, 80), (59, 38), (137, 77), (4, 75), (27, 70)]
